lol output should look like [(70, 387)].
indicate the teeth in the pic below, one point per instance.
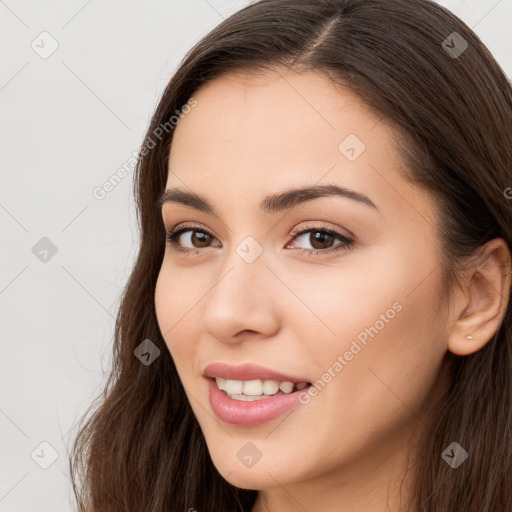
[(221, 383), (245, 398), (286, 387), (252, 387), (234, 387), (255, 389), (270, 387)]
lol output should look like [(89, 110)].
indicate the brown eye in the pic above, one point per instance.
[(189, 239), (321, 240), (200, 238)]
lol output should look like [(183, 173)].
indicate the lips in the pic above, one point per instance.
[(247, 410), (247, 371)]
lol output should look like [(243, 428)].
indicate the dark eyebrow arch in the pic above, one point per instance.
[(271, 204)]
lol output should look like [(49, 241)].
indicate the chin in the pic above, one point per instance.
[(251, 478)]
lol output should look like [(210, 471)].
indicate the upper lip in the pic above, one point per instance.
[(247, 372)]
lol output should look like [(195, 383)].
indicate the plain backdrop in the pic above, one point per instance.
[(79, 80)]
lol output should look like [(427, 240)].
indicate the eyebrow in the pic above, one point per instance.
[(271, 204)]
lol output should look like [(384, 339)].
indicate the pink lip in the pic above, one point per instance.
[(247, 372), (252, 413)]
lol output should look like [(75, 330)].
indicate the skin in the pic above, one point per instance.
[(350, 447)]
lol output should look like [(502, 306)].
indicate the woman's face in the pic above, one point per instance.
[(358, 319)]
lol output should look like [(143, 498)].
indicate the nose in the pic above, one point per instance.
[(243, 302)]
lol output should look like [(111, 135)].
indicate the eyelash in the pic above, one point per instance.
[(172, 239)]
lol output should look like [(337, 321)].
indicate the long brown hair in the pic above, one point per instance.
[(141, 448)]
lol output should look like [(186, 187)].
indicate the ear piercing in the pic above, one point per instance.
[(469, 337)]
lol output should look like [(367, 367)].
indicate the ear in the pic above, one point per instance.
[(481, 306)]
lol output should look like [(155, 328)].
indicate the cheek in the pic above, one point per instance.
[(388, 371), (173, 305), (178, 294), (379, 345)]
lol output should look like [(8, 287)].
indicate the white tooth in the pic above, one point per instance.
[(270, 387), (221, 383), (301, 385), (286, 387), (233, 387), (253, 387), (246, 398)]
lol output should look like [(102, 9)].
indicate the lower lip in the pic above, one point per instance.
[(256, 412)]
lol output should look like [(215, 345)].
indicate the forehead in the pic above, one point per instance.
[(274, 120), (253, 135), (276, 107)]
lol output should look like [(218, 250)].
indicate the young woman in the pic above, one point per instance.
[(319, 316)]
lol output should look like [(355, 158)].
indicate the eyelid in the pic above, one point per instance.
[(181, 227), (189, 225), (303, 228)]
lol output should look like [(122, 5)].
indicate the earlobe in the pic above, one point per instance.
[(483, 305)]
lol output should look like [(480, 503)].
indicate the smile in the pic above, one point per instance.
[(250, 390), (250, 395)]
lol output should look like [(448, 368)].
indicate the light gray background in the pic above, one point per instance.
[(69, 121)]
